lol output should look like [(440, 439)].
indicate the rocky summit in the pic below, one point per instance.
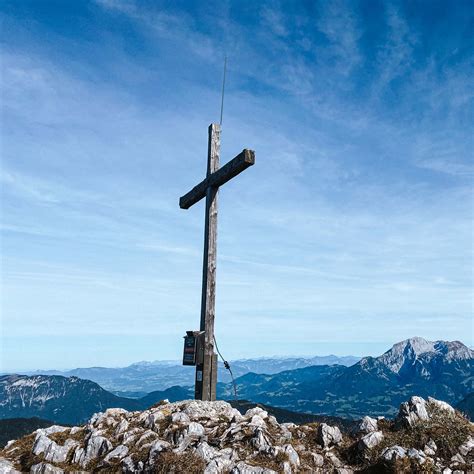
[(212, 437)]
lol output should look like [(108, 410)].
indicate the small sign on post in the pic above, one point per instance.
[(193, 352)]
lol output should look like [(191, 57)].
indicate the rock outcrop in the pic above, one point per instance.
[(213, 437)]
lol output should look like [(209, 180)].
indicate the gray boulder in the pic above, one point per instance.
[(370, 440), (367, 425), (412, 412), (394, 452), (328, 435), (244, 468), (7, 467), (45, 468)]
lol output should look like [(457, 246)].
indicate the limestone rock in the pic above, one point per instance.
[(412, 412), (226, 442), (467, 447), (7, 467), (116, 454), (457, 459), (328, 435), (318, 460), (256, 411), (416, 454), (45, 468), (367, 425), (370, 440), (430, 448), (293, 457), (333, 459), (394, 452), (243, 468), (441, 405), (50, 450)]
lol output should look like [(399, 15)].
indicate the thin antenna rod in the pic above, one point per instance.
[(223, 86)]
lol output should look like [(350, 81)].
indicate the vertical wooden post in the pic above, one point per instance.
[(206, 374)]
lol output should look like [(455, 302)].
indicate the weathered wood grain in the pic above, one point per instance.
[(206, 369), (208, 296), (241, 162)]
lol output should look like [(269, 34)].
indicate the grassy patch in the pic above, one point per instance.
[(447, 430), (172, 463), (60, 437), (268, 461)]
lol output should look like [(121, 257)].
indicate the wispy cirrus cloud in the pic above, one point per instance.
[(358, 209)]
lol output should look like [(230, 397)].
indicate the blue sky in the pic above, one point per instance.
[(352, 231)]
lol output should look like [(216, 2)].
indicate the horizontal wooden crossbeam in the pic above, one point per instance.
[(241, 162)]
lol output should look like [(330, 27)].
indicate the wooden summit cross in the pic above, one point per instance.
[(206, 370)]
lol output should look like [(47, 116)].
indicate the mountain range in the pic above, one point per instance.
[(140, 378), (68, 400), (376, 385)]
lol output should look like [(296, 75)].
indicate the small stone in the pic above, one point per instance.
[(79, 455), (467, 446), (96, 446), (328, 435), (147, 437), (121, 427), (261, 441), (286, 468), (256, 411), (318, 460), (243, 468), (180, 417), (430, 448), (367, 425), (457, 459), (206, 452), (118, 453), (155, 450), (394, 452), (153, 419), (370, 440), (335, 461), (293, 457), (419, 456), (257, 420), (195, 430), (128, 466), (6, 467), (45, 468)]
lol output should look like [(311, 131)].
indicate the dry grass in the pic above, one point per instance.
[(172, 463), (158, 404), (21, 450), (60, 437), (400, 466), (447, 430), (269, 461)]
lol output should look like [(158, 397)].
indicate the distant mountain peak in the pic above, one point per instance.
[(408, 352)]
